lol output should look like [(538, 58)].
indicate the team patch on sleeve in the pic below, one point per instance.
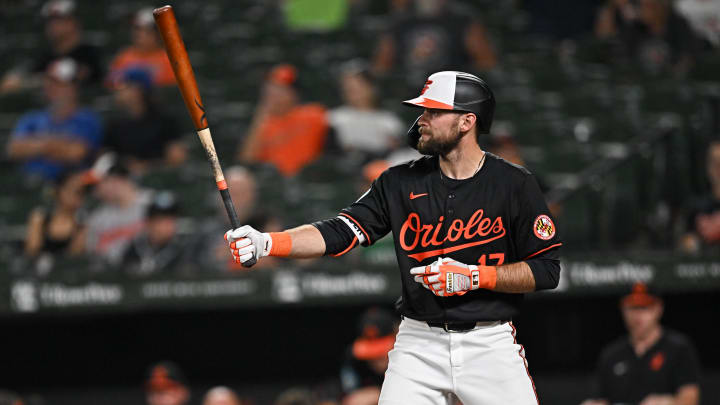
[(543, 227)]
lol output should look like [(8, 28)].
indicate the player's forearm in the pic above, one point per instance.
[(307, 242), (688, 394), (515, 278)]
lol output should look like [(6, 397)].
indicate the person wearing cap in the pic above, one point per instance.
[(65, 39), (362, 374), (62, 137), (159, 248), (652, 365), (472, 235), (361, 127), (283, 132), (145, 52), (118, 218), (165, 384), (143, 135)]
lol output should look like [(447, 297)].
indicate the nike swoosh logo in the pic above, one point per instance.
[(414, 196)]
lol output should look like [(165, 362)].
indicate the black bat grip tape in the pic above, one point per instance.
[(234, 221)]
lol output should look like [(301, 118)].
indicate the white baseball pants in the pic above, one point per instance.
[(482, 366)]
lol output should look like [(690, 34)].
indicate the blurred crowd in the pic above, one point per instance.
[(92, 164)]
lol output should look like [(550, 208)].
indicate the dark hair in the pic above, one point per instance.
[(358, 67)]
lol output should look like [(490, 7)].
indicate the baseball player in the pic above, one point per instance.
[(472, 234)]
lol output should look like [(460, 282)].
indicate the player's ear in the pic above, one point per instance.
[(467, 121)]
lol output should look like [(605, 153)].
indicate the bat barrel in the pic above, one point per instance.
[(175, 47)]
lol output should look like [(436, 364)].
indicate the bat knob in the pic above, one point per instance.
[(161, 10), (250, 263)]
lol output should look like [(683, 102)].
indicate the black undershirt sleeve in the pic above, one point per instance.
[(546, 272), (546, 269), (337, 235)]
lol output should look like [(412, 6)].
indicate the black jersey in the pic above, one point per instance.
[(624, 377), (496, 217)]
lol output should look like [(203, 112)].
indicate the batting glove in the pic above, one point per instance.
[(446, 277), (245, 243)]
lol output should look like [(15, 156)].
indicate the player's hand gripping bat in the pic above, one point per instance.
[(175, 48)]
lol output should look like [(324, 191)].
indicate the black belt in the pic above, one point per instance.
[(461, 326), (454, 326)]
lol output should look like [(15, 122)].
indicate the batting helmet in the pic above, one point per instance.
[(455, 91)]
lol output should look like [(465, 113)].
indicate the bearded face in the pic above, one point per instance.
[(439, 132)]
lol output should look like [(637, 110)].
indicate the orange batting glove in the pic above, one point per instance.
[(447, 276)]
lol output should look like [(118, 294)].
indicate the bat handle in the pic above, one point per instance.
[(234, 221)]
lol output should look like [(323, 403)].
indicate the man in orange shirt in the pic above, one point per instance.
[(146, 52), (284, 132)]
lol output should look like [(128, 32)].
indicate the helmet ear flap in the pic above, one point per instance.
[(413, 134)]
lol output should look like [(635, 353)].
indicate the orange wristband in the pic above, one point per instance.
[(488, 277), (281, 244)]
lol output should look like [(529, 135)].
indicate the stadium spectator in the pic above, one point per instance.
[(653, 365), (143, 135), (703, 225), (159, 248), (221, 396), (58, 229), (146, 52), (363, 371), (361, 127), (61, 137), (439, 35), (166, 385), (651, 31), (283, 132), (65, 39), (119, 217)]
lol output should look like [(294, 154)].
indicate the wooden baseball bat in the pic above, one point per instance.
[(176, 52)]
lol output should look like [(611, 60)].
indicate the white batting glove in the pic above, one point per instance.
[(446, 276), (246, 242)]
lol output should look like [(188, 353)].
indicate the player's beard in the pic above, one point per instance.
[(435, 146)]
